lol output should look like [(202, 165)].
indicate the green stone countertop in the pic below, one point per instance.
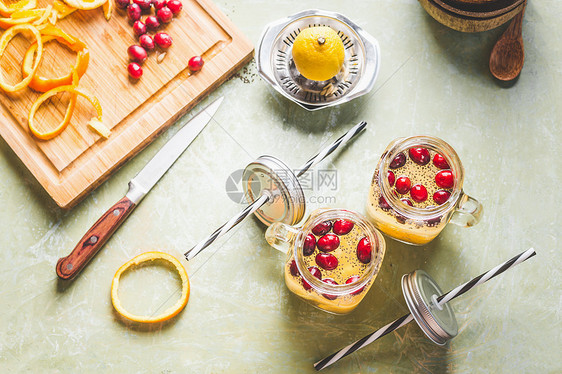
[(240, 316)]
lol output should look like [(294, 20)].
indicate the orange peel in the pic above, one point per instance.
[(85, 4), (167, 314), (5, 39)]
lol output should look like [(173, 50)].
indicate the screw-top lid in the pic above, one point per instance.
[(269, 175), (438, 322)]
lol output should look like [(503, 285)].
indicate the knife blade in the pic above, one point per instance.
[(94, 239)]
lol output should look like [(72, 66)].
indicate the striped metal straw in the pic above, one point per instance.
[(408, 317), (264, 198)]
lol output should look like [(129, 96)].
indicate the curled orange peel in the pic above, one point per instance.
[(5, 39), (167, 314)]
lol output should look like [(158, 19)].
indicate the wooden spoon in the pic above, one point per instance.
[(508, 55)]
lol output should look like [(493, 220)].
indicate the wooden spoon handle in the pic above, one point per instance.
[(68, 267), (515, 28)]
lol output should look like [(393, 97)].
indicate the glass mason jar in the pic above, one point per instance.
[(417, 189), (332, 260)]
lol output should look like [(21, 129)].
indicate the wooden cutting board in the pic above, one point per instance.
[(77, 161)]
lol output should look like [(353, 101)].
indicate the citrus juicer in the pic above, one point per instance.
[(273, 191), (356, 77)]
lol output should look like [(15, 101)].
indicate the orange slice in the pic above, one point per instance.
[(167, 314)]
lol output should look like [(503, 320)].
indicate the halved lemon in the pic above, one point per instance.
[(136, 261)]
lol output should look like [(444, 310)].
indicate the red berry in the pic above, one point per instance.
[(329, 281), (163, 40), (391, 178), (293, 269), (343, 227), (418, 193), (165, 15), (135, 70), (195, 63), (445, 179), (139, 28), (137, 53), (134, 12), (403, 185), (364, 250), (146, 42), (315, 273), (354, 279), (322, 228), (384, 204), (175, 6), (407, 202), (398, 161), (419, 155), (152, 22), (440, 161), (159, 4), (327, 261), (328, 243), (309, 245), (441, 196), (123, 4), (143, 4)]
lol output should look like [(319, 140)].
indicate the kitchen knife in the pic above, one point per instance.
[(68, 267)]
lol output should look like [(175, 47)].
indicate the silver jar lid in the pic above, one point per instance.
[(276, 66), (269, 175), (438, 322)]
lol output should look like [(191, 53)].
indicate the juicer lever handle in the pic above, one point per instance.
[(68, 267)]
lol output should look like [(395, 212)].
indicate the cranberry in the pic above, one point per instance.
[(330, 281), (327, 261), (354, 279), (134, 12), (407, 202), (398, 161), (135, 70), (419, 155), (139, 28), (315, 273), (391, 178), (123, 4), (175, 6), (163, 40), (143, 4), (364, 250), (445, 179), (418, 193), (146, 42), (440, 161), (293, 269), (403, 185), (195, 63), (309, 245), (165, 15), (322, 228), (152, 22), (328, 243), (137, 53), (383, 203), (441, 196), (342, 227), (159, 4)]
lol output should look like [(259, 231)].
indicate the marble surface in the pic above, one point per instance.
[(240, 316)]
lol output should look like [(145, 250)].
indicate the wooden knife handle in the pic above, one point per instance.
[(68, 267)]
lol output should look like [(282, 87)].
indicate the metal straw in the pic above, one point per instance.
[(264, 198), (408, 317)]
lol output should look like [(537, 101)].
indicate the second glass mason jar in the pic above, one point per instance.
[(417, 189), (332, 260)]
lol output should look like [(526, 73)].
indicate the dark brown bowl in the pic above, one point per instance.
[(499, 8)]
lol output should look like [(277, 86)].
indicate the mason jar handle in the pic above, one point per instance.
[(281, 236), (468, 213)]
